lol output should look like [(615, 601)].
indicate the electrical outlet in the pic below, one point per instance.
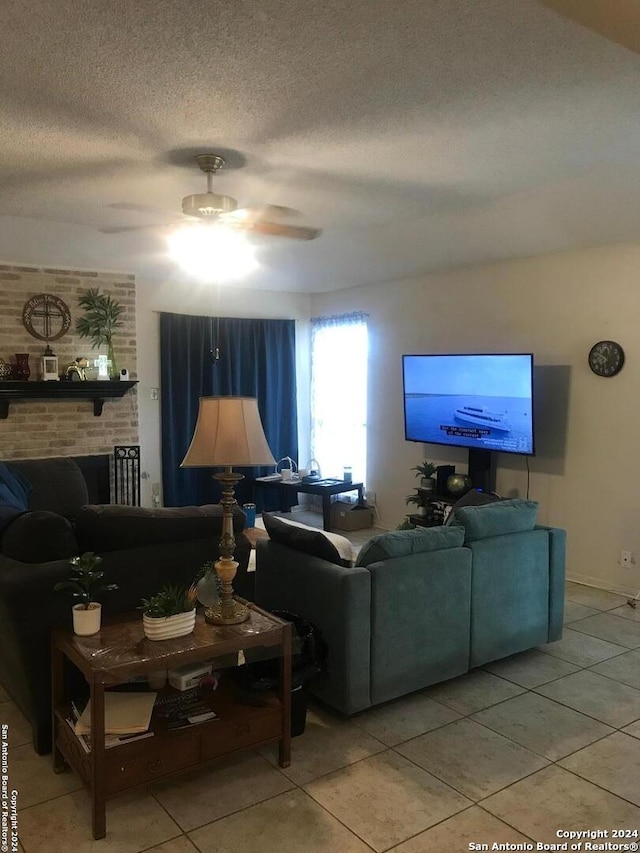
[(626, 559), (155, 489), (370, 497), (154, 393)]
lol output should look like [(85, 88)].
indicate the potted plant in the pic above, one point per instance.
[(417, 500), (425, 471), (101, 319), (87, 613), (171, 612)]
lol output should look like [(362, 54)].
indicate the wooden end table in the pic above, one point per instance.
[(121, 651)]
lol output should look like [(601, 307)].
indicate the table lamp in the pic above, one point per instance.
[(228, 432)]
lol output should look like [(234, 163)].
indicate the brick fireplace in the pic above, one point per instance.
[(40, 428)]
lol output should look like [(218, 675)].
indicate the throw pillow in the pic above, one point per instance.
[(472, 498), (39, 537), (14, 487), (7, 513), (496, 519), (308, 540), (402, 543)]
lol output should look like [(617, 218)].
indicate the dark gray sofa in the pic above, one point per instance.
[(142, 549)]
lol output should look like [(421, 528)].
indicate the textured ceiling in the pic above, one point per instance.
[(418, 134)]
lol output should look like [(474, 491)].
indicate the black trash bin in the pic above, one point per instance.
[(309, 653)]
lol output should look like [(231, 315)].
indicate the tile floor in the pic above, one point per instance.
[(543, 741)]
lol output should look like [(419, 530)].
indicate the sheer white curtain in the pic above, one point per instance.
[(339, 349)]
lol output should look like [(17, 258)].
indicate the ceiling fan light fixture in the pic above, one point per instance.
[(211, 252), (204, 205)]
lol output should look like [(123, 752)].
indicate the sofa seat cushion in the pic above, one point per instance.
[(495, 519), (39, 537), (402, 543), (113, 528), (309, 540), (57, 484)]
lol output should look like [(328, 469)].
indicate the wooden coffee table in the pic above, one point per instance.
[(121, 651)]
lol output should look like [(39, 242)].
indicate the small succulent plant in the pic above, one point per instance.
[(171, 600), (83, 582)]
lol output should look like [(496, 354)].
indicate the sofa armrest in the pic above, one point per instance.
[(337, 601), (557, 556), (26, 592), (28, 611), (420, 621)]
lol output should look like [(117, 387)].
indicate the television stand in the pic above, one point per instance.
[(482, 469)]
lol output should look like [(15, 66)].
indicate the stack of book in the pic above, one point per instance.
[(184, 709), (127, 717)]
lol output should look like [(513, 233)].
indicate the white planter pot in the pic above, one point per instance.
[(164, 627), (428, 484), (86, 622)]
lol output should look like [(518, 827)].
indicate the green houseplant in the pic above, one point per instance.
[(425, 471), (101, 319), (171, 612), (83, 585)]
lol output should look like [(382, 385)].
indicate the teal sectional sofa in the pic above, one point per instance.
[(423, 606)]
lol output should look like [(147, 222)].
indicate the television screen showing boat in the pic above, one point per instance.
[(481, 401), (483, 417)]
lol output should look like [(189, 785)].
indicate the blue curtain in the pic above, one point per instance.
[(211, 356)]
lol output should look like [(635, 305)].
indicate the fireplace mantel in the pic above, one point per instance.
[(95, 391)]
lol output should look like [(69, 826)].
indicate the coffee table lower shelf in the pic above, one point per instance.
[(130, 765)]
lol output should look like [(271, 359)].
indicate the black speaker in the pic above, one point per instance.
[(442, 472)]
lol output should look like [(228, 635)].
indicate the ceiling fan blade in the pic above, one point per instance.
[(616, 20), (138, 208), (254, 213), (120, 229), (277, 229)]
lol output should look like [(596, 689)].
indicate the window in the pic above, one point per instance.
[(339, 348)]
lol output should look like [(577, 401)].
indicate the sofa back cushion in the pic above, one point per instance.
[(402, 543), (39, 537), (307, 540), (57, 484), (114, 528), (495, 519)]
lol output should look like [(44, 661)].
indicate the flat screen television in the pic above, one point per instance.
[(483, 402)]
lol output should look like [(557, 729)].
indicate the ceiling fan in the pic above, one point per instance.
[(213, 207)]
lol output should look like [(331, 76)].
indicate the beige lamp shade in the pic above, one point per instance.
[(228, 432)]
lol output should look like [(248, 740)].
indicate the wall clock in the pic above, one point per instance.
[(606, 358), (46, 317)]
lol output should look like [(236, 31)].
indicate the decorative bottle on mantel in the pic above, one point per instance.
[(113, 366), (23, 371)]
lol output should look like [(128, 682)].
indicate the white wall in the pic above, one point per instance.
[(181, 297), (586, 474)]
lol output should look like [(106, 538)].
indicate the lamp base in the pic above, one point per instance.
[(235, 614)]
